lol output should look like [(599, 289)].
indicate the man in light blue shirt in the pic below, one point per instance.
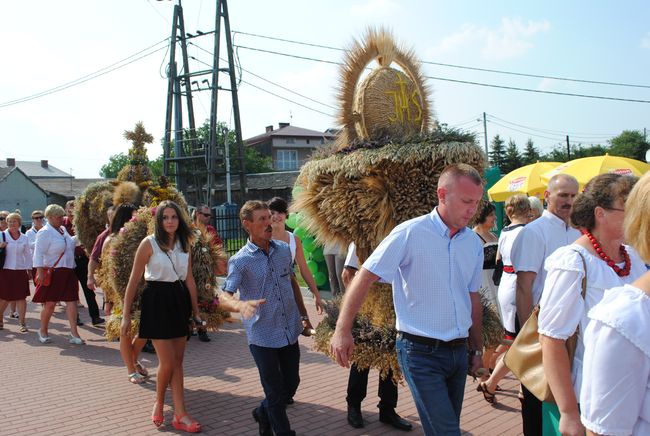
[(261, 270), (434, 264)]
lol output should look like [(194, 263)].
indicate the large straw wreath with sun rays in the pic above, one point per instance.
[(383, 170)]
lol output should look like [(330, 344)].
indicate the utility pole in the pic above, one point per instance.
[(196, 165), (227, 157), (485, 134), (222, 12), (182, 153), (568, 148)]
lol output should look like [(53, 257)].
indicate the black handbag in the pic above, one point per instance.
[(3, 251), (498, 272)]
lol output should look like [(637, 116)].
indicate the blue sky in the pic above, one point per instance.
[(47, 44)]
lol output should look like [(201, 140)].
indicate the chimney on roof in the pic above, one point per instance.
[(283, 125), (44, 163), (11, 162), (269, 129)]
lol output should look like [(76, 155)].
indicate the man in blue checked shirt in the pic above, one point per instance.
[(434, 264), (262, 270)]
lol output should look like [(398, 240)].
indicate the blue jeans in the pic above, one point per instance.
[(278, 368), (436, 377)]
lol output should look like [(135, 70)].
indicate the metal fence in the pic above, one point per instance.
[(228, 225)]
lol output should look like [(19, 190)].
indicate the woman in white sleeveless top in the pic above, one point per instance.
[(517, 209), (168, 300)]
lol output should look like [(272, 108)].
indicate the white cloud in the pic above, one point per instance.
[(645, 41), (374, 8), (511, 39)]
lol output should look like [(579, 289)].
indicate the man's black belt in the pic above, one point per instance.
[(434, 342)]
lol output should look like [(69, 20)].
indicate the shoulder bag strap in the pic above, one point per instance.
[(65, 242)]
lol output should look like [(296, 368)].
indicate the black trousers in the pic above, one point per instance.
[(81, 271), (358, 387), (531, 407)]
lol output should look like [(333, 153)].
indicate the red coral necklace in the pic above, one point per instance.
[(622, 272)]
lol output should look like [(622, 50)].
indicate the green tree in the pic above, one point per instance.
[(531, 154), (630, 143), (557, 154), (253, 160), (580, 151), (115, 163), (497, 152), (512, 158), (118, 161)]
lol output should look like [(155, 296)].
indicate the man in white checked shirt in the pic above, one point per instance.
[(434, 264)]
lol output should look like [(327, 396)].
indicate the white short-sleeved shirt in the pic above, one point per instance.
[(536, 242), (50, 243), (432, 276), (166, 267), (351, 258), (18, 254), (615, 394), (562, 307), (31, 236), (507, 287)]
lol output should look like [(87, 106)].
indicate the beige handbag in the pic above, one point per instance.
[(524, 358)]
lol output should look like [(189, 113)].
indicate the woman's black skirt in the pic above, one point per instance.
[(165, 310)]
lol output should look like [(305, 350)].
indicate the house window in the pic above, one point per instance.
[(290, 141), (286, 160), (308, 141)]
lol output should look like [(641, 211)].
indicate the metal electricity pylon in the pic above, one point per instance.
[(196, 163)]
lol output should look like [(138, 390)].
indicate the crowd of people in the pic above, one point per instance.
[(583, 261)]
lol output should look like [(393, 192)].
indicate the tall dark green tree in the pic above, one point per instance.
[(497, 152), (630, 143), (512, 158), (531, 154)]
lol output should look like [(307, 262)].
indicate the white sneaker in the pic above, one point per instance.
[(76, 340), (44, 339)]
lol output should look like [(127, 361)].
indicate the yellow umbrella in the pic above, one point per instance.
[(524, 180), (586, 168)]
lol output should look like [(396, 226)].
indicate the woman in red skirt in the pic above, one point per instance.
[(55, 250), (15, 275)]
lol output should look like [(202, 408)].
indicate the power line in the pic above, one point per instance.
[(466, 82), (538, 91), (561, 132), (558, 139), (105, 70), (267, 80), (464, 67), (287, 99)]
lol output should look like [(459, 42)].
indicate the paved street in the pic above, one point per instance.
[(63, 389)]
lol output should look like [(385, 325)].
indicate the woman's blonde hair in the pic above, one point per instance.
[(517, 206), (54, 210), (14, 216), (637, 217)]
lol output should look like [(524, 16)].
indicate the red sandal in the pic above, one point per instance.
[(192, 427), (157, 420)]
